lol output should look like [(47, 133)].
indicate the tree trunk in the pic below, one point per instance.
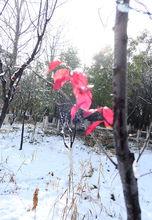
[(6, 101), (22, 133), (124, 157), (4, 111)]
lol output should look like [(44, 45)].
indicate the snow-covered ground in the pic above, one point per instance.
[(70, 185)]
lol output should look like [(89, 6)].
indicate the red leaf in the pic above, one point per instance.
[(108, 116), (83, 98), (83, 101), (79, 80), (53, 65), (89, 112), (81, 92), (74, 110), (92, 127), (60, 78), (105, 112)]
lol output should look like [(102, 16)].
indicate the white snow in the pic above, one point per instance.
[(77, 184)]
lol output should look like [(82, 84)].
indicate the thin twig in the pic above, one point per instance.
[(145, 143), (104, 151), (3, 7), (51, 84), (145, 174), (150, 103), (99, 14), (145, 7), (145, 12)]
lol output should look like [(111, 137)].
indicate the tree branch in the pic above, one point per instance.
[(146, 143), (104, 151), (4, 7)]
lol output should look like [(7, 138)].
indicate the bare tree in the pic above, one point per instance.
[(54, 43), (124, 157), (28, 32)]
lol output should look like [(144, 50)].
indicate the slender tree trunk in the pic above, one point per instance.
[(6, 101), (22, 133), (124, 157)]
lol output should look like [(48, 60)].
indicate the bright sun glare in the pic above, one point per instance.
[(89, 25), (86, 30)]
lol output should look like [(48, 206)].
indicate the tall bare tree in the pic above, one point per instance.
[(54, 43), (124, 157), (23, 26)]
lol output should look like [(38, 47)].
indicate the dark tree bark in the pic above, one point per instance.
[(22, 133), (4, 111), (23, 122), (124, 157)]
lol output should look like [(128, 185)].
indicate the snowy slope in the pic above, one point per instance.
[(71, 185)]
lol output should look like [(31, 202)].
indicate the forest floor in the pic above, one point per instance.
[(46, 181)]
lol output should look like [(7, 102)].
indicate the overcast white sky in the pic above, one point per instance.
[(86, 31)]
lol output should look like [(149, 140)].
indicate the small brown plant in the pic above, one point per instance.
[(35, 199)]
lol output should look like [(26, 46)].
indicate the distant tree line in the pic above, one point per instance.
[(139, 80), (100, 75)]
